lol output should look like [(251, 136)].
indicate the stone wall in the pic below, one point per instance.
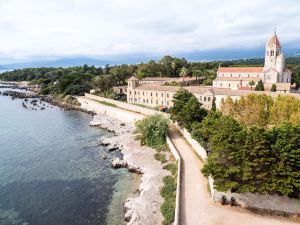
[(196, 146), (177, 157), (124, 105), (115, 112)]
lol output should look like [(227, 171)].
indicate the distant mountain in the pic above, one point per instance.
[(67, 62), (209, 55)]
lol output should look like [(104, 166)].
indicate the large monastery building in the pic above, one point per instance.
[(273, 72), (230, 82)]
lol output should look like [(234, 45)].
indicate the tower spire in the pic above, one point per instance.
[(275, 30)]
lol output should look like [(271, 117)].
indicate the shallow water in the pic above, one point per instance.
[(52, 171)]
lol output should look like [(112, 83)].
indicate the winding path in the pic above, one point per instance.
[(196, 207)]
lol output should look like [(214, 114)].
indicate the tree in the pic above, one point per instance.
[(214, 107), (251, 83), (259, 86), (152, 131), (191, 112), (228, 106), (253, 110), (179, 100), (224, 161), (186, 109), (183, 73), (283, 108), (286, 146), (273, 88)]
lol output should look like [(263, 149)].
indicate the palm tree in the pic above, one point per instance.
[(251, 83), (183, 73)]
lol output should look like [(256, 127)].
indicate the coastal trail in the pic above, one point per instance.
[(196, 205)]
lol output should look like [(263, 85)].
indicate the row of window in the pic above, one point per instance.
[(272, 53), (148, 101), (151, 94), (240, 75), (205, 99)]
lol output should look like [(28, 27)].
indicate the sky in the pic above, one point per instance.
[(50, 29)]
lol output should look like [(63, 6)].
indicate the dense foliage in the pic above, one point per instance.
[(251, 159), (186, 109), (168, 192), (262, 110), (253, 144), (152, 131)]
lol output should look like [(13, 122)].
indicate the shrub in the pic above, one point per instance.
[(160, 157), (168, 192), (152, 131), (172, 167)]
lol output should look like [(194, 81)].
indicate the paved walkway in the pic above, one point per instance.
[(197, 208)]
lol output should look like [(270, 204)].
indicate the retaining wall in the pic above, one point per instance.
[(177, 157), (127, 106)]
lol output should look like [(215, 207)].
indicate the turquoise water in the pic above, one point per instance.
[(51, 168)]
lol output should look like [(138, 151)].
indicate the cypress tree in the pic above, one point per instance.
[(273, 88), (259, 86)]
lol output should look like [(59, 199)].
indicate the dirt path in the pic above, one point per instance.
[(197, 208)]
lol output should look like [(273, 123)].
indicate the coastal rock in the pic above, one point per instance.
[(129, 215), (134, 169), (118, 163), (104, 157)]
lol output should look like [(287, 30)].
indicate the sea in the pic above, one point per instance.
[(52, 171)]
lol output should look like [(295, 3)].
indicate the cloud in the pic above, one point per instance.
[(35, 29)]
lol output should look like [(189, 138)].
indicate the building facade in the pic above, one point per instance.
[(273, 72)]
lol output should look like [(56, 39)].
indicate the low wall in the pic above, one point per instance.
[(127, 106), (196, 146), (271, 203), (115, 112), (177, 157)]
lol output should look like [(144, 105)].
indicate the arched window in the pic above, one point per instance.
[(272, 53)]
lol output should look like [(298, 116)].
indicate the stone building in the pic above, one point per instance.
[(273, 72)]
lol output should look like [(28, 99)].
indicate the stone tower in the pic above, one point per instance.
[(274, 58), (133, 82)]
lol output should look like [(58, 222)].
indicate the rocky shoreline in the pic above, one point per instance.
[(144, 209), (32, 93)]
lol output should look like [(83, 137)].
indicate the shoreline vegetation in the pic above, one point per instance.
[(152, 131)]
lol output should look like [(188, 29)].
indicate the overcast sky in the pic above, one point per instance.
[(36, 29)]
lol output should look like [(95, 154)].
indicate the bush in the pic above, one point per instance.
[(152, 131), (168, 192), (160, 157), (172, 167)]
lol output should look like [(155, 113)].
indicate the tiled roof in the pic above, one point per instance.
[(240, 70), (132, 78), (274, 41), (237, 78)]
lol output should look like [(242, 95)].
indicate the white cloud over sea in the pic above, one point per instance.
[(31, 29)]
